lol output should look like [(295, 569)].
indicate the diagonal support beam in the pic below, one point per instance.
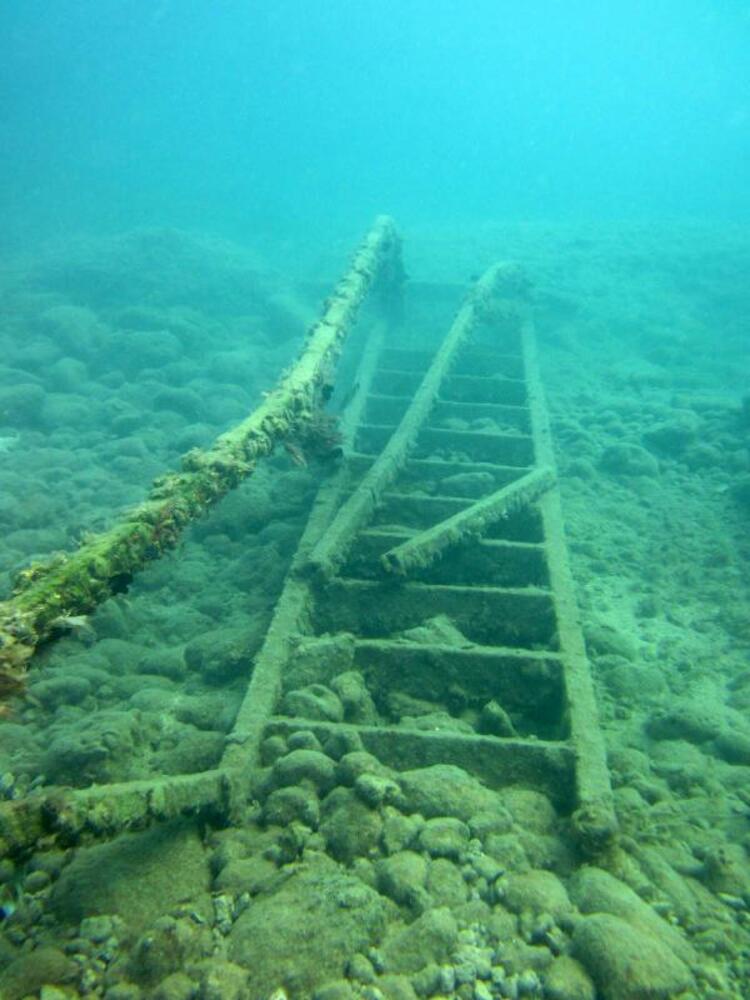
[(331, 551), (422, 549)]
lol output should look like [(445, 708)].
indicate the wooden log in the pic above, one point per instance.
[(50, 597), (423, 548)]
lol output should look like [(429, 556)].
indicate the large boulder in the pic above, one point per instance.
[(594, 890), (445, 790), (302, 935), (626, 962), (139, 876)]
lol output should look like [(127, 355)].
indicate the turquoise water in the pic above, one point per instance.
[(242, 119), (182, 184)]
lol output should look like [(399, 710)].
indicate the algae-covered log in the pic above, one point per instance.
[(49, 595), (423, 548)]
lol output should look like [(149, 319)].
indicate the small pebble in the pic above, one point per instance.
[(97, 929), (509, 988), (361, 968), (36, 881), (376, 957), (223, 913), (528, 984), (53, 993), (89, 981), (7, 871), (447, 979)]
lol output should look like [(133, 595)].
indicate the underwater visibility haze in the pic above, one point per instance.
[(418, 671), (234, 115)]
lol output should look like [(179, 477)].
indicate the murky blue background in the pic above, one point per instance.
[(235, 116)]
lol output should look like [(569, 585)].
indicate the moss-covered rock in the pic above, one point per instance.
[(166, 947), (355, 698), (21, 404), (444, 837), (315, 701), (400, 832), (190, 750), (352, 765), (446, 885), (734, 746), (594, 890), (304, 739), (430, 938), (27, 973), (626, 962), (695, 722), (102, 747), (292, 804), (628, 460), (396, 988), (309, 766), (350, 828), (175, 986), (507, 850), (255, 874), (138, 876), (402, 878), (445, 790), (64, 689), (566, 979), (342, 742), (531, 810), (168, 661), (375, 790), (273, 938), (319, 660), (221, 980), (537, 891), (221, 654), (340, 989)]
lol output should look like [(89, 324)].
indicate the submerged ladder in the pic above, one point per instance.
[(434, 566)]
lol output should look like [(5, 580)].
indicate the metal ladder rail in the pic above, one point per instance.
[(595, 818)]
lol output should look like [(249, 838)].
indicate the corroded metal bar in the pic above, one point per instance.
[(333, 547), (49, 595), (422, 549)]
